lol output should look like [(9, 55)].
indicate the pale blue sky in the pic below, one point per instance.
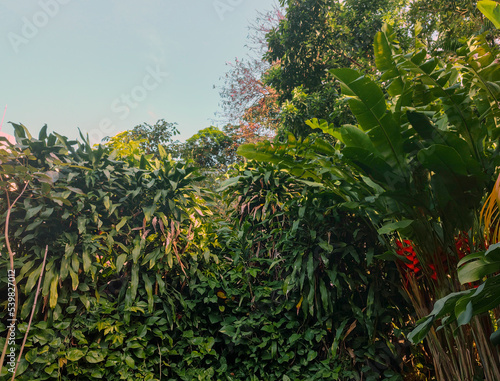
[(106, 66)]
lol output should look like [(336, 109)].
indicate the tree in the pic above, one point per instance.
[(445, 22), (246, 102), (210, 148), (248, 105), (319, 35), (148, 137), (315, 36)]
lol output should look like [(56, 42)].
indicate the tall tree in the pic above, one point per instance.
[(210, 148), (248, 105), (319, 35), (148, 137), (445, 22)]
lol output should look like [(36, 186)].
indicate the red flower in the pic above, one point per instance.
[(462, 245), (413, 268), (406, 250)]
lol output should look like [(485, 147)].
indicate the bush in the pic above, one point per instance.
[(143, 282)]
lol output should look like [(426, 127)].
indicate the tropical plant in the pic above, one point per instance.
[(482, 266), (317, 259), (418, 165), (120, 239)]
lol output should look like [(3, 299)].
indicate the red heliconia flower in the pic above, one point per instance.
[(462, 245), (406, 250), (434, 274)]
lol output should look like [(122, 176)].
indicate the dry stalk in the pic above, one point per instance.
[(11, 257), (32, 312)]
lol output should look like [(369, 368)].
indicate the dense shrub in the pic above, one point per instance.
[(120, 236), (309, 264), (143, 282)]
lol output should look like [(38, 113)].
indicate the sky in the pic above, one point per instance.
[(106, 66)]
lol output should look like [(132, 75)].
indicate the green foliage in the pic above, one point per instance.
[(125, 147), (138, 284), (444, 23), (148, 138), (428, 148), (316, 259), (419, 161), (314, 37), (323, 104), (143, 283), (317, 35), (491, 9), (120, 240), (210, 148)]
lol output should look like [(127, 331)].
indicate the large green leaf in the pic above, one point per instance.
[(394, 226), (476, 266), (373, 165), (280, 155), (148, 284), (385, 62), (421, 123), (442, 307), (120, 261), (367, 100), (323, 125), (495, 337), (134, 281), (33, 278), (491, 9), (74, 354), (421, 330), (442, 159), (367, 103), (354, 137), (250, 152), (94, 357), (232, 181)]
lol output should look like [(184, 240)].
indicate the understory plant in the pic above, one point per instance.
[(140, 280), (317, 261), (120, 236)]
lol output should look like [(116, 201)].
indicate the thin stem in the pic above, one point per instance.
[(159, 351), (11, 257), (32, 312)]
